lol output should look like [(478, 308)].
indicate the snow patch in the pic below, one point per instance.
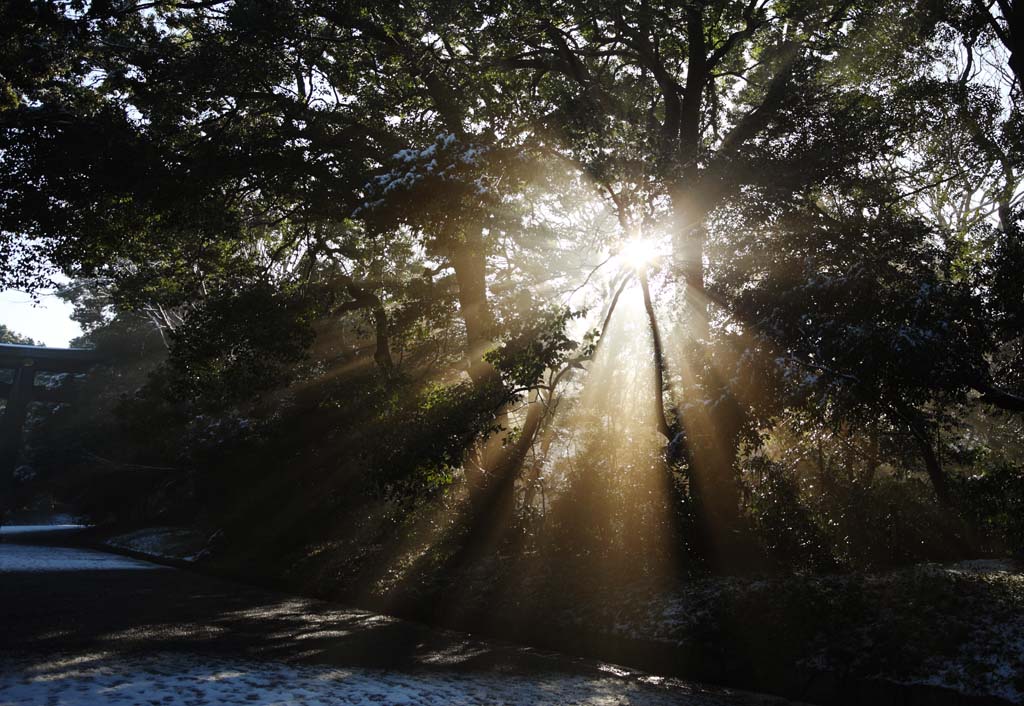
[(26, 557), (181, 679), (181, 543), (37, 529)]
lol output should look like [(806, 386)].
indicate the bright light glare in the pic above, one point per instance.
[(639, 252)]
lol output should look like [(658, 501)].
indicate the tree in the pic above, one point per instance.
[(1002, 18), (263, 180), (674, 110), (9, 336)]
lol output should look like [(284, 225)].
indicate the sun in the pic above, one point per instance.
[(639, 252)]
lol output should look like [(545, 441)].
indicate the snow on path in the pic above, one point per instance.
[(181, 543), (37, 529), (192, 680), (28, 557)]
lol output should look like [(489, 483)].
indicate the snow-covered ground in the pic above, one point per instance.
[(192, 680), (990, 657), (965, 619), (36, 529), (27, 557), (185, 640), (182, 543)]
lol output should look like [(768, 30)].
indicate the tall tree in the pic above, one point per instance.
[(674, 109)]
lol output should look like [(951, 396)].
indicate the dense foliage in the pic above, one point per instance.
[(358, 269)]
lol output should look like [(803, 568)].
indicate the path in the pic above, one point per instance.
[(86, 627)]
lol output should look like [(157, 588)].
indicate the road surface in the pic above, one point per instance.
[(86, 627)]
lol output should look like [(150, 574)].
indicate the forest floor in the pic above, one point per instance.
[(84, 627), (194, 680), (956, 626)]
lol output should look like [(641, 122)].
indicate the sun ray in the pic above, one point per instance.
[(641, 252)]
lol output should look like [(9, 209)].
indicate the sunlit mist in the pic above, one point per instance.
[(638, 253)]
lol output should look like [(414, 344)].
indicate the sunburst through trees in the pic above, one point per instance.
[(423, 297)]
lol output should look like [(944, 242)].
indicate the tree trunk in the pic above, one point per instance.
[(712, 431), (688, 257), (823, 474), (468, 259), (871, 465), (363, 298), (470, 263), (933, 466), (382, 354), (714, 472), (849, 453), (1014, 37), (492, 509), (659, 360)]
